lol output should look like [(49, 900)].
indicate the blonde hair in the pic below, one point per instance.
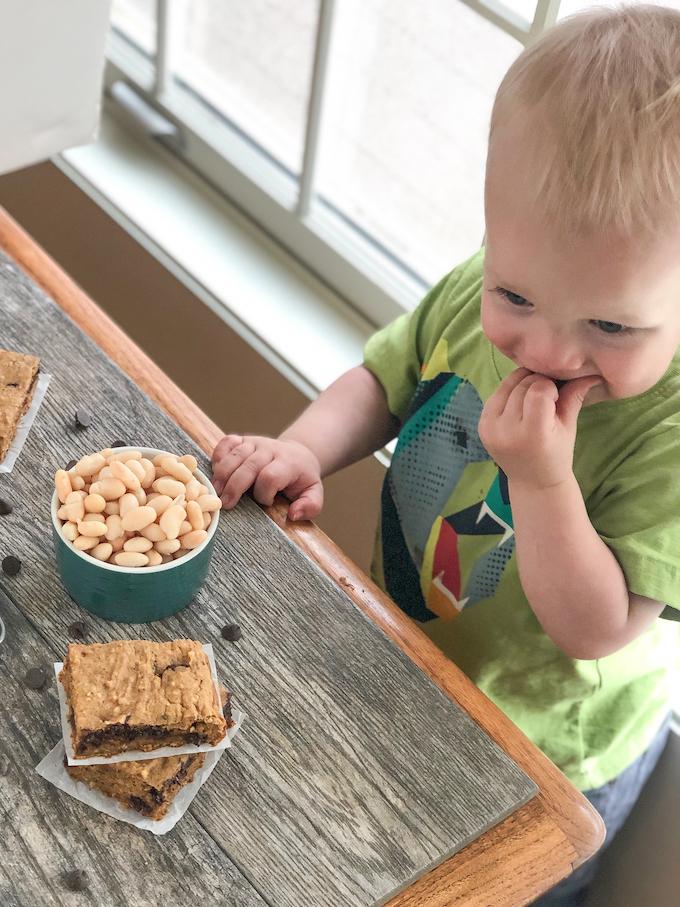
[(600, 98)]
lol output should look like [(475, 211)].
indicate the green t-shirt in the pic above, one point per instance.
[(445, 548)]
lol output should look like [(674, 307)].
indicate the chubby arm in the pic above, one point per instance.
[(572, 580), (348, 421)]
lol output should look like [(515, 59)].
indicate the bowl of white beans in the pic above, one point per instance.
[(133, 531)]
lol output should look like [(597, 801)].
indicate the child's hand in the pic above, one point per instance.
[(529, 427), (268, 466)]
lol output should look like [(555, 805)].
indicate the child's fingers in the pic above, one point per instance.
[(245, 475), (497, 402), (572, 396), (225, 445), (230, 461), (307, 504), (539, 402), (277, 475), (514, 407)]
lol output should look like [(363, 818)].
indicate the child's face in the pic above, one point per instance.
[(605, 307)]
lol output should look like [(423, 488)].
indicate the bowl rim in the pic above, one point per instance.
[(143, 571)]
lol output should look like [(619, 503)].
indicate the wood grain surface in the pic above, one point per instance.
[(532, 848), (354, 774)]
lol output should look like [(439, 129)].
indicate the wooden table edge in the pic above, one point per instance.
[(559, 802)]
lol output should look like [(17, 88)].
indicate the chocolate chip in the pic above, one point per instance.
[(5, 507), (83, 418), (77, 880), (70, 465), (4, 766), (119, 444), (232, 632), (78, 629), (35, 678), (11, 565)]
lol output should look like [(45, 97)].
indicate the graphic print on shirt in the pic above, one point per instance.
[(436, 562)]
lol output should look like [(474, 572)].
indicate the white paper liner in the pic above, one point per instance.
[(24, 426), (139, 755), (53, 770)]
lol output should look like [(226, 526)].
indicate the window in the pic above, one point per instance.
[(354, 131)]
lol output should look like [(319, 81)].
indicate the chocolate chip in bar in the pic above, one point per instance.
[(5, 507), (231, 632), (78, 629), (11, 565), (70, 465), (119, 444), (83, 418), (77, 880), (35, 678)]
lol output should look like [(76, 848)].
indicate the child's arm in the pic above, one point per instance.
[(572, 580), (346, 422)]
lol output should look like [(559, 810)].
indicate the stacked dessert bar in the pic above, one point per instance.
[(18, 380), (134, 695)]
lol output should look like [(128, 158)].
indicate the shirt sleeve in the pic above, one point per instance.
[(638, 517), (396, 353)]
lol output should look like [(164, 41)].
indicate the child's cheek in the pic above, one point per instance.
[(494, 326)]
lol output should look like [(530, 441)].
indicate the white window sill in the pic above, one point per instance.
[(288, 315)]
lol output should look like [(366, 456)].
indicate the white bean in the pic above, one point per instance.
[(140, 494), (110, 489), (168, 546), (92, 530), (62, 513), (75, 496), (160, 504), (131, 559), (125, 456), (193, 539), (94, 503), (157, 459), (155, 558), (138, 518), (194, 515), (138, 544), (70, 531), (194, 489), (114, 527), (153, 532), (127, 503), (62, 482), (176, 469), (209, 502), (75, 511), (85, 542), (171, 520), (78, 482), (111, 508), (190, 462), (169, 486), (149, 473), (103, 551), (126, 475), (89, 465), (207, 519)]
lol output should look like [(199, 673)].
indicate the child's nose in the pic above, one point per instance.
[(552, 354)]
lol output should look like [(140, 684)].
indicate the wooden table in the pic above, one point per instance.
[(291, 815)]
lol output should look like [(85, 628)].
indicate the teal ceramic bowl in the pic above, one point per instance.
[(128, 594)]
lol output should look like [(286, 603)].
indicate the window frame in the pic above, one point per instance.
[(355, 265)]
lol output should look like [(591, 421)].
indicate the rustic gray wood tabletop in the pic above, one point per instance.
[(352, 775)]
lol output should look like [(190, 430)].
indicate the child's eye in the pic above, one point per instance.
[(513, 298), (610, 327)]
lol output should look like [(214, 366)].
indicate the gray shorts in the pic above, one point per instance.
[(614, 802)]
